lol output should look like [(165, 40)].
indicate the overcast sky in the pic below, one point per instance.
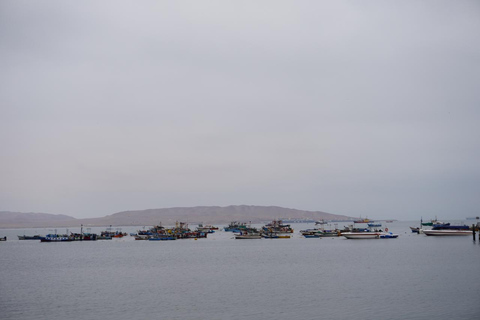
[(365, 108)]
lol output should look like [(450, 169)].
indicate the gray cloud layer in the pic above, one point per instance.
[(357, 108)]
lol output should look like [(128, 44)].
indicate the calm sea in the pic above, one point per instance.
[(412, 277)]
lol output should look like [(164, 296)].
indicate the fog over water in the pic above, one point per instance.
[(354, 108)]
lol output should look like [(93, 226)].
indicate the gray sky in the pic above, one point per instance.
[(352, 107)]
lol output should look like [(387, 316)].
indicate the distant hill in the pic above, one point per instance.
[(168, 216), (33, 219)]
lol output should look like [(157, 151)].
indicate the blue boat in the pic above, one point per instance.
[(447, 226), (374, 224), (388, 235), (311, 235), (162, 238), (57, 238)]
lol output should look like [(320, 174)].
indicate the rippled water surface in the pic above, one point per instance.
[(412, 277)]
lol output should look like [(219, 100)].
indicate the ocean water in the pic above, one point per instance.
[(411, 277)]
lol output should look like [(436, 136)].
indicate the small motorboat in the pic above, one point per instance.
[(388, 235), (415, 229)]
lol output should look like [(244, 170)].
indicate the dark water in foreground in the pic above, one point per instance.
[(412, 277)]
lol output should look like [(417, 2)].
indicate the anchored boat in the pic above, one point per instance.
[(361, 235), (448, 230)]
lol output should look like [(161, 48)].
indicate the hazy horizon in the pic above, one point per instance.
[(351, 108), (377, 218)]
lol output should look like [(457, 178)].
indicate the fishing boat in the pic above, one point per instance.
[(109, 234), (53, 237), (235, 226), (83, 236), (311, 233), (249, 233), (104, 237), (322, 221), (208, 228), (277, 226), (119, 235), (432, 222), (319, 233), (366, 220), (330, 233), (3, 239)]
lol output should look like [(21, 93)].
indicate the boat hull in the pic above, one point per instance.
[(35, 237), (447, 232), (246, 236), (56, 240), (276, 236), (361, 235), (329, 234)]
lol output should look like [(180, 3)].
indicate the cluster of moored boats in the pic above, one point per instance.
[(373, 231), (242, 230), (158, 232), (273, 230), (277, 230), (180, 231)]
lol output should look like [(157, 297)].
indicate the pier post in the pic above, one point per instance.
[(473, 232)]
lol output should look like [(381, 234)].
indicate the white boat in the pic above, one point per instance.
[(361, 235), (249, 233), (447, 232)]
